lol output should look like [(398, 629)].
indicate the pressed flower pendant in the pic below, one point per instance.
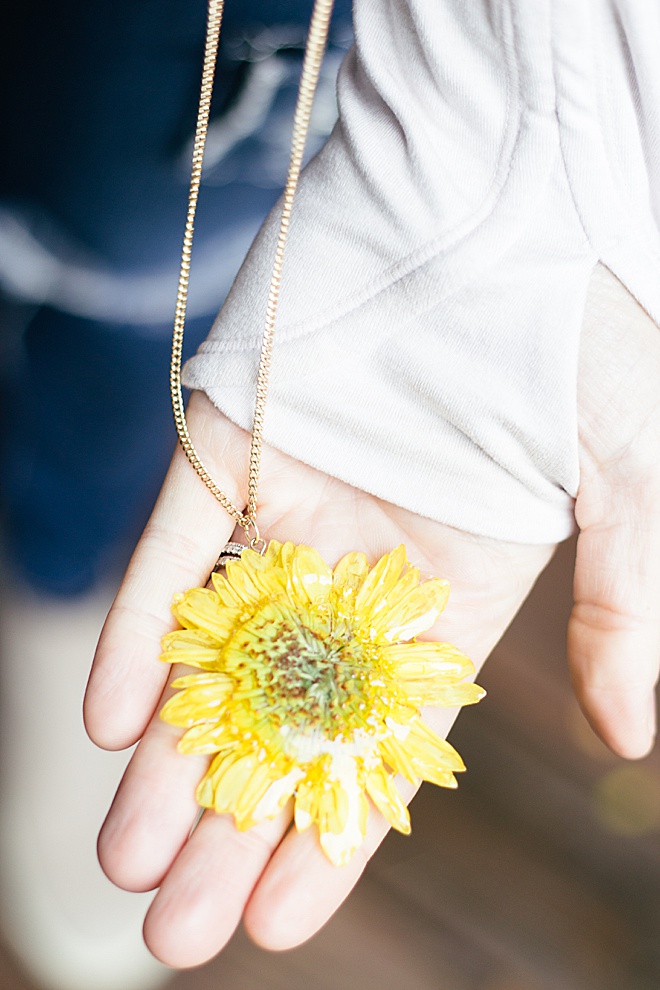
[(310, 686)]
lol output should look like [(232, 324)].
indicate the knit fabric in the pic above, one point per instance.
[(486, 157)]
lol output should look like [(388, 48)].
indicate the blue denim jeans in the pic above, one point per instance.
[(99, 104)]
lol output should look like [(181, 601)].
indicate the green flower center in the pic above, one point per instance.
[(310, 673)]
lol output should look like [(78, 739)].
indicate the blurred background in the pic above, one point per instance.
[(543, 870)]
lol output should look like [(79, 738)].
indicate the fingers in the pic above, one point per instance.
[(153, 811), (202, 899), (614, 631), (300, 889), (207, 879), (181, 542), (204, 895)]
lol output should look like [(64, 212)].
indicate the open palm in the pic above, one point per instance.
[(278, 880)]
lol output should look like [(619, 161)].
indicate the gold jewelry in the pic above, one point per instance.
[(311, 680), (314, 50)]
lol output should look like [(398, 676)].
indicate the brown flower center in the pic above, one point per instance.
[(312, 674)]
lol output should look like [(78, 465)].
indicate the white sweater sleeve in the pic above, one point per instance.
[(486, 157)]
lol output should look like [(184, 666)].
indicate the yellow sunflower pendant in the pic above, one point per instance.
[(310, 687)]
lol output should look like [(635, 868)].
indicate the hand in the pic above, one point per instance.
[(614, 630), (284, 886), (277, 880)]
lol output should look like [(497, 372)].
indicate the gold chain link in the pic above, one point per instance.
[(314, 51)]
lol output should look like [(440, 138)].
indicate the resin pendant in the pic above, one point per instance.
[(310, 687)]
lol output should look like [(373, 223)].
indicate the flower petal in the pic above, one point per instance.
[(372, 597), (443, 695), (250, 807), (229, 777), (310, 578), (385, 796), (200, 608), (291, 650), (207, 679), (415, 613), (396, 756), (226, 594), (441, 778), (193, 647), (208, 737), (197, 702), (244, 581), (273, 554), (277, 794), (343, 811), (348, 577), (404, 585), (432, 757), (308, 797), (205, 794), (269, 578), (441, 661)]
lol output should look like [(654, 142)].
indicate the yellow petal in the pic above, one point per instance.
[(273, 554), (441, 778), (440, 661), (230, 780), (242, 580), (415, 613), (372, 597), (251, 797), (287, 551), (308, 797), (206, 679), (200, 608), (226, 594), (385, 796), (309, 575), (343, 811), (197, 703), (442, 695), (207, 737), (428, 750), (348, 577), (269, 578), (277, 794), (398, 758), (404, 585), (193, 647), (205, 794)]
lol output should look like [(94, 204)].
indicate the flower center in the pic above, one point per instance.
[(313, 675)]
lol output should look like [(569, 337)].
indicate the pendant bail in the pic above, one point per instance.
[(231, 551), (254, 538)]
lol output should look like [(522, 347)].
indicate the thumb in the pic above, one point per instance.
[(614, 630)]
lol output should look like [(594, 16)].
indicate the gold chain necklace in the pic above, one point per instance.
[(310, 678), (314, 50)]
